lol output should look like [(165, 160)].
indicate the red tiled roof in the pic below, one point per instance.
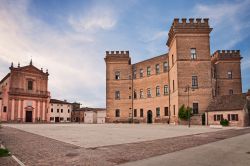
[(59, 101), (228, 102)]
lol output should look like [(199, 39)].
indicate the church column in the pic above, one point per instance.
[(38, 110), (23, 110), (19, 110), (34, 111), (44, 110), (12, 109)]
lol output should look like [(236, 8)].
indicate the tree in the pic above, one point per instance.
[(184, 112)]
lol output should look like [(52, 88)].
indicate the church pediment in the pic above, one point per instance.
[(30, 69)]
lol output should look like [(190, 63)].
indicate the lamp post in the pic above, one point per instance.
[(187, 89)]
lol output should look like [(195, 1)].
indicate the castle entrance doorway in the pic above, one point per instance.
[(149, 116)]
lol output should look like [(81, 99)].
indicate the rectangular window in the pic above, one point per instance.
[(141, 73), (68, 111), (134, 73), (117, 113), (174, 109), (61, 118), (4, 109), (195, 108), (148, 71), (30, 85), (51, 109), (172, 60), (57, 110), (135, 94), (117, 95), (193, 53), (117, 75), (166, 111), (194, 82), (158, 112), (157, 91), (218, 117), (231, 92), (68, 119), (135, 112), (149, 92), (51, 118), (141, 112), (165, 89), (165, 66), (173, 86), (157, 69), (234, 117), (141, 93), (61, 110), (229, 75)]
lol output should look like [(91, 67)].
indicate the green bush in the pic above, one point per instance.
[(184, 112), (224, 122), (4, 152)]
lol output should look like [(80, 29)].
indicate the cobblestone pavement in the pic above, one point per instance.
[(33, 149), (8, 161)]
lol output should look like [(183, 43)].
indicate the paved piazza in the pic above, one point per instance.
[(95, 135), (129, 144)]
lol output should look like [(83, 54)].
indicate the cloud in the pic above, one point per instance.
[(153, 36), (231, 23), (229, 20), (74, 58), (94, 20)]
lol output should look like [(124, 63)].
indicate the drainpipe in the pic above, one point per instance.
[(132, 88), (169, 90)]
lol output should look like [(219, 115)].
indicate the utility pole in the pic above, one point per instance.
[(187, 89), (132, 89)]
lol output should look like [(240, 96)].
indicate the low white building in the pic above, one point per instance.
[(59, 111), (94, 115), (101, 115)]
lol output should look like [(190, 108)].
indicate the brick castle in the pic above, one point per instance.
[(153, 90)]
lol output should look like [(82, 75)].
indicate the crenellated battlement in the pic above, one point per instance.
[(117, 56), (117, 53), (188, 26), (190, 22), (226, 54)]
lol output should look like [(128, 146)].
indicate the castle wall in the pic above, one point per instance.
[(143, 83), (200, 67), (227, 61), (118, 62), (173, 81)]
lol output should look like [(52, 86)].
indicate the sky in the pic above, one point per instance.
[(70, 37)]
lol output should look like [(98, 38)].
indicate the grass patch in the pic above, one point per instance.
[(4, 152)]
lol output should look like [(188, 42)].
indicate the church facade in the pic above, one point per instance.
[(24, 95)]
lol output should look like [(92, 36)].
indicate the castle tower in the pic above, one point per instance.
[(118, 86), (227, 72), (190, 66)]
